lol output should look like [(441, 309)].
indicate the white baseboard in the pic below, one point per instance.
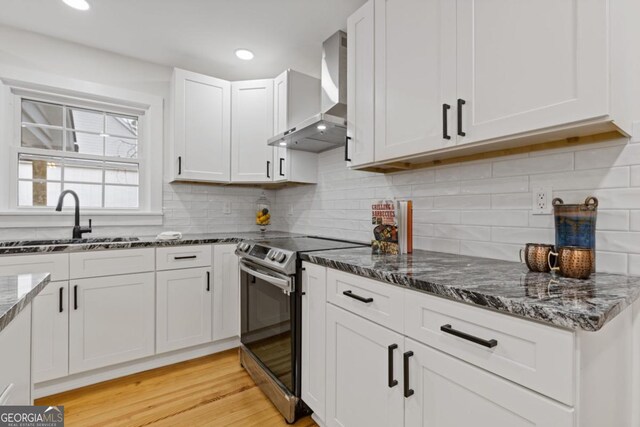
[(108, 373)]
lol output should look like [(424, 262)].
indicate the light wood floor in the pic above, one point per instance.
[(209, 391)]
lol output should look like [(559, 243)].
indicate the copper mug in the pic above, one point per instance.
[(536, 256), (573, 262)]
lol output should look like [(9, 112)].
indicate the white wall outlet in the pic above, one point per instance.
[(226, 208), (542, 198)]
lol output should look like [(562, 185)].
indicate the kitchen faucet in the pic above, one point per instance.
[(77, 229)]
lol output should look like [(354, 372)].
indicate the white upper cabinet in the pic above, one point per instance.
[(296, 97), (201, 127), (360, 89), (251, 126), (516, 75), (431, 79), (414, 75)]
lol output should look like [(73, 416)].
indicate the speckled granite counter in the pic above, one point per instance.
[(65, 245), (499, 285), (16, 292)]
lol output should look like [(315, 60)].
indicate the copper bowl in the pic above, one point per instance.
[(573, 262), (536, 256)]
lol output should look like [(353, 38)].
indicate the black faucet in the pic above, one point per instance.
[(77, 230)]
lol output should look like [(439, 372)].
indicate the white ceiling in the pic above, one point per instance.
[(198, 35)]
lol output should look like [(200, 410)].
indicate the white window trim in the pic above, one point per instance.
[(16, 83)]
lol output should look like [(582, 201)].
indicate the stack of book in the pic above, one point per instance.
[(392, 222)]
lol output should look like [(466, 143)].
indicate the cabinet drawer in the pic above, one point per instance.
[(177, 257), (383, 302), (536, 356), (56, 264), (112, 262)]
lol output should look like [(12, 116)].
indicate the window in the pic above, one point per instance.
[(93, 152)]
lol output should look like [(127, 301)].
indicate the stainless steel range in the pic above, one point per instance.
[(271, 317)]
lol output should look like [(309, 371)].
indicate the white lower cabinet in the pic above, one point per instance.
[(314, 309), (226, 292), (50, 333), (183, 308), (112, 320), (15, 366), (359, 391), (446, 391)]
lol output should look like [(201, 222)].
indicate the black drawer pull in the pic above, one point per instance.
[(461, 102), (445, 117), (392, 382), (208, 281), (346, 149), (281, 160), (75, 297), (268, 169), (60, 307), (408, 392), (486, 343), (185, 257), (358, 297), (179, 165)]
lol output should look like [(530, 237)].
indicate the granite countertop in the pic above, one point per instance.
[(91, 244), (16, 292), (500, 285)]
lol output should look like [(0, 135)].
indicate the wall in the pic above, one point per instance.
[(482, 208), (190, 208)]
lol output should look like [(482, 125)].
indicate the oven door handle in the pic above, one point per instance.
[(282, 283)]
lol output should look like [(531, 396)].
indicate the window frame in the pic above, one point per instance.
[(19, 84), (140, 160)]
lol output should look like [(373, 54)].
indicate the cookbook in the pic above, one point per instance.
[(392, 223)]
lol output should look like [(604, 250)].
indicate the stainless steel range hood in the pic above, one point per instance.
[(328, 129)]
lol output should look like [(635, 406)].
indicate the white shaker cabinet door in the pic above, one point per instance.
[(359, 391), (360, 86), (415, 76), (112, 320), (226, 292), (314, 342), (527, 65), (183, 308), (447, 392), (201, 127), (50, 333), (252, 160)]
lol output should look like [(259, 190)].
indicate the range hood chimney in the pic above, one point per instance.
[(328, 129)]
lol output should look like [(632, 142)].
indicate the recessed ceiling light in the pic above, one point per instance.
[(322, 127), (244, 54), (283, 143), (77, 4)]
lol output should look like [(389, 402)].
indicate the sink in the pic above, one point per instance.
[(53, 242)]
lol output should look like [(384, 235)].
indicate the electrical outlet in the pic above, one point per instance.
[(226, 208), (541, 204)]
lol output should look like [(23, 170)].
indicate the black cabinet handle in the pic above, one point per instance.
[(179, 165), (75, 297), (268, 167), (185, 257), (461, 102), (486, 343), (445, 118), (392, 382), (281, 160), (346, 149), (208, 281), (358, 297), (408, 392), (60, 307)]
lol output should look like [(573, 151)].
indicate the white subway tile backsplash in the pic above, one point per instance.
[(522, 235), (612, 262), (620, 155), (464, 172), (534, 165), (618, 241), (635, 176), (462, 202), (511, 201), (634, 265), (634, 220), (495, 217), (519, 184), (462, 232), (583, 180), (508, 252)]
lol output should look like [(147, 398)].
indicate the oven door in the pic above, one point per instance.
[(267, 299)]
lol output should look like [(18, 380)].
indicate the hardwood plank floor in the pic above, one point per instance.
[(209, 391)]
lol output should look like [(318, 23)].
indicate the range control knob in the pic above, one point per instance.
[(280, 257), (271, 254), (244, 247)]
